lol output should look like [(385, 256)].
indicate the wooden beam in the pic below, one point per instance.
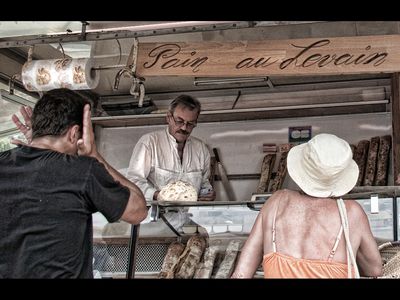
[(396, 126), (311, 56)]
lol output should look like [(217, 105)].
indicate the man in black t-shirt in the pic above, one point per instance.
[(50, 188)]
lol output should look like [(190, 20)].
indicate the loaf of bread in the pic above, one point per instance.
[(266, 170), (178, 191), (382, 164), (171, 260), (280, 174), (370, 169), (360, 155), (227, 266), (205, 268), (190, 258)]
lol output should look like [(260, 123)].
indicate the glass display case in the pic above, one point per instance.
[(120, 247)]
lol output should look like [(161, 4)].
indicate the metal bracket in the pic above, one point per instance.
[(62, 49), (137, 90), (83, 32), (30, 54), (11, 83), (254, 206), (155, 213), (132, 58), (129, 71), (171, 227)]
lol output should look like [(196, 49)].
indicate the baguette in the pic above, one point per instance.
[(280, 174), (360, 155), (206, 266), (370, 169), (382, 165), (171, 259), (266, 170), (190, 257), (225, 269)]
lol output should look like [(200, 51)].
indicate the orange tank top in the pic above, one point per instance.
[(278, 265)]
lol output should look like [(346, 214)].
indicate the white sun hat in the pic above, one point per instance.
[(323, 167)]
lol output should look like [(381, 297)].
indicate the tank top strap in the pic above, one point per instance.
[(274, 226), (338, 237)]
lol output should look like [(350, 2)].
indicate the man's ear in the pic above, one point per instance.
[(168, 117), (73, 134)]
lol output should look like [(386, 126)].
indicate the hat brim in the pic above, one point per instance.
[(341, 186)]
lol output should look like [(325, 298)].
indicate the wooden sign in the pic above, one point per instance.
[(313, 56)]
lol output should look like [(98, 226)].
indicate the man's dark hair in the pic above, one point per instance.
[(186, 101), (56, 111)]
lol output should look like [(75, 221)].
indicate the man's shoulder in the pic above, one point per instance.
[(153, 138), (72, 161), (152, 135)]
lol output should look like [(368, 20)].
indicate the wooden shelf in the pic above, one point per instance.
[(248, 114)]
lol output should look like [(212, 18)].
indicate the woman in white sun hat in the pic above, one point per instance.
[(308, 233)]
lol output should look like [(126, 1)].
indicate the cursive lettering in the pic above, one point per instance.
[(261, 62), (302, 60), (166, 56), (316, 54)]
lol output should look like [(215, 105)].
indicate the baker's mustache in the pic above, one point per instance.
[(183, 132)]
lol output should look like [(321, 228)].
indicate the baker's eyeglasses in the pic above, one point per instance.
[(181, 122)]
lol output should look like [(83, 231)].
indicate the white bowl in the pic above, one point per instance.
[(235, 228), (189, 229), (220, 228)]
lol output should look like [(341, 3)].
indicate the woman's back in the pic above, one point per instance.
[(303, 248), (307, 227), (308, 237)]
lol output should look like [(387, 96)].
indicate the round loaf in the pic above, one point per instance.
[(178, 191)]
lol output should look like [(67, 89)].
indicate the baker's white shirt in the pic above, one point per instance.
[(155, 162)]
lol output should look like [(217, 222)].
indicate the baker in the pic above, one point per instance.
[(172, 155)]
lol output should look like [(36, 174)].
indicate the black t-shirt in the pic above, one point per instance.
[(46, 204)]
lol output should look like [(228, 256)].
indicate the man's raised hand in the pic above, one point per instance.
[(26, 129)]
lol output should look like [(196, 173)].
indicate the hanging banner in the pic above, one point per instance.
[(312, 56)]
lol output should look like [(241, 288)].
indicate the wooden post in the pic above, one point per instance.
[(396, 127)]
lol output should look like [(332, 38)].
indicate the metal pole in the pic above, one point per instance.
[(130, 274), (395, 218)]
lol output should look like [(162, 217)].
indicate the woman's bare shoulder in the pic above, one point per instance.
[(355, 212), (272, 200), (280, 194), (352, 206), (283, 195)]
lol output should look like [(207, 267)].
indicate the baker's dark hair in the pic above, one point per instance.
[(57, 111), (186, 101)]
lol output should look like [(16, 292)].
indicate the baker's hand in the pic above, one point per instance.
[(207, 197), (86, 144), (26, 129)]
